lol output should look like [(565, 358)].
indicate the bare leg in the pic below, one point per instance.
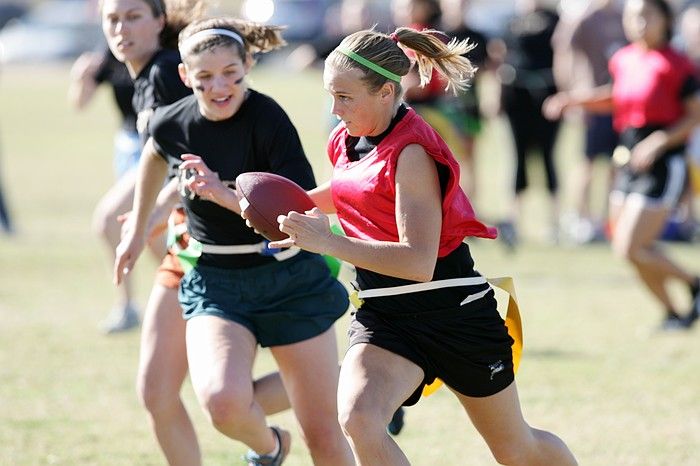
[(115, 202), (221, 355), (270, 394), (512, 441), (636, 232), (373, 384), (469, 178), (162, 369), (583, 198), (310, 373)]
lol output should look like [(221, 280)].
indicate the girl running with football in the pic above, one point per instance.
[(427, 312)]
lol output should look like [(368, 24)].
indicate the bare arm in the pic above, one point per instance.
[(678, 134), (168, 197), (82, 85), (418, 218), (596, 100), (322, 197), (657, 143), (152, 171)]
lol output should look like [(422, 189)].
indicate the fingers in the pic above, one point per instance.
[(243, 204), (285, 243), (195, 165), (190, 157), (122, 267), (551, 109), (121, 218), (315, 212)]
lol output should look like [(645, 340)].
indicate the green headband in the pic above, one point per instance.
[(372, 66)]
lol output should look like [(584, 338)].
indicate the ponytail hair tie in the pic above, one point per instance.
[(394, 37)]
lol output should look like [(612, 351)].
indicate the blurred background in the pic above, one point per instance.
[(595, 369), (35, 30)]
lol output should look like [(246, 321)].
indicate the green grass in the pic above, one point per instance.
[(593, 371)]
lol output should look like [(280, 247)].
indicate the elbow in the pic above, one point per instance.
[(422, 278), (422, 272)]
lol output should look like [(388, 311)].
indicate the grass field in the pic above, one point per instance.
[(594, 370)]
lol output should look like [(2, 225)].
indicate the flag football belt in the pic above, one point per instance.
[(257, 248), (189, 255), (512, 320)]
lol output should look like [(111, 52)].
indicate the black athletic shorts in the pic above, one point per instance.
[(601, 138), (468, 347), (663, 184)]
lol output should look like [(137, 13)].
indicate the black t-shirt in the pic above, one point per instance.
[(157, 84), (467, 101), (258, 137), (115, 73), (478, 54), (530, 53)]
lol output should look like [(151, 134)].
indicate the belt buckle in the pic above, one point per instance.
[(267, 251), (355, 299)]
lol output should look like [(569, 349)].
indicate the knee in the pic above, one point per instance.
[(323, 440), (623, 250), (511, 454), (225, 409), (536, 448), (104, 221), (360, 421), (154, 395)]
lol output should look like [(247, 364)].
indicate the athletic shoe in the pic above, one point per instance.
[(673, 323), (508, 234), (396, 424), (283, 439), (695, 307), (120, 320)]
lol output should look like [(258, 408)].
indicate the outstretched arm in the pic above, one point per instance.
[(82, 79), (596, 100), (152, 172)]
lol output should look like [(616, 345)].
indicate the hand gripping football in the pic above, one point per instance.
[(269, 196)]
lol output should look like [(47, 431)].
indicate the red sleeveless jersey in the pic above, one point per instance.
[(647, 86), (364, 191)]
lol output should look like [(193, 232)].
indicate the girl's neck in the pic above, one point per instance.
[(646, 45), (136, 66)]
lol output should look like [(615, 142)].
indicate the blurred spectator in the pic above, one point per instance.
[(464, 110), (5, 223), (682, 224), (655, 101), (582, 48), (525, 56), (419, 15), (690, 42), (10, 11), (342, 19), (89, 71), (4, 214), (455, 117)]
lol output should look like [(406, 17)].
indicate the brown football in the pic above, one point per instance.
[(270, 196)]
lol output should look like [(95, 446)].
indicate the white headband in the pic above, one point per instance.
[(210, 32)]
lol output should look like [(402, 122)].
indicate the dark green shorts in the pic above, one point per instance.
[(280, 303)]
